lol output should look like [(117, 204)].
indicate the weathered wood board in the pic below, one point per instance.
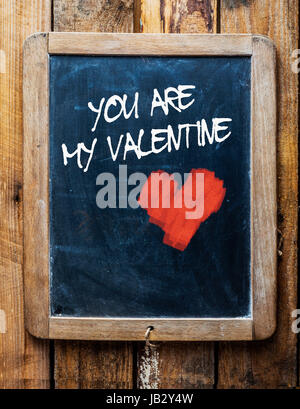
[(171, 365), (117, 16), (272, 363), (24, 360)]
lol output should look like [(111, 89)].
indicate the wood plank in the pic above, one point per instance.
[(171, 365), (93, 365), (166, 330), (149, 44), (264, 207), (93, 15), (24, 360), (35, 180), (175, 365), (272, 363), (181, 16)]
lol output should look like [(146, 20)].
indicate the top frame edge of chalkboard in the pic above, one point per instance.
[(76, 43)]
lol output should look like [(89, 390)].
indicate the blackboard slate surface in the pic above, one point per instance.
[(112, 262)]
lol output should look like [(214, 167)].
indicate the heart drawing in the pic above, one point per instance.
[(179, 211)]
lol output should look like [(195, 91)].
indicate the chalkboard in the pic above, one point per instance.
[(119, 122), (112, 262)]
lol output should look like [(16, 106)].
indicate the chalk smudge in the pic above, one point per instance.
[(149, 368)]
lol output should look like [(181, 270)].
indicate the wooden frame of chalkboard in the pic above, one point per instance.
[(38, 319)]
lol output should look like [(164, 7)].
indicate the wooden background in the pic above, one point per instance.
[(26, 362)]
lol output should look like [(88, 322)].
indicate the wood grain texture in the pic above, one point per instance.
[(166, 330), (175, 365), (264, 207), (35, 181), (183, 16), (93, 15), (149, 44), (170, 359), (24, 360), (93, 365), (98, 363), (272, 363)]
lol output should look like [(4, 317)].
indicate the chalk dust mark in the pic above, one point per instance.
[(2, 62), (149, 368), (2, 322)]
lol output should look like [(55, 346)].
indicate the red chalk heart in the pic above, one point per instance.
[(173, 219)]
